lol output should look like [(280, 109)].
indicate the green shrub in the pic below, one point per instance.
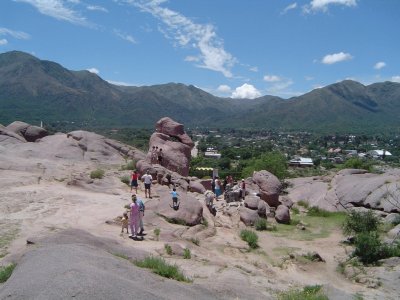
[(356, 163), (5, 272), (187, 254), (160, 267), (303, 203), (260, 224), (157, 233), (250, 237), (131, 165), (357, 222), (368, 247), (295, 210), (126, 179), (168, 249), (195, 241), (315, 211), (97, 174), (312, 292)]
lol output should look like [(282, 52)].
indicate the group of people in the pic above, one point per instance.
[(218, 188), (156, 155)]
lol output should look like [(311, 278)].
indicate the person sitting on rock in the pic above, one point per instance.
[(174, 195), (125, 222)]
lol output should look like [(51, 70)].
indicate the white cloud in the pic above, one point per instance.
[(122, 83), (272, 78), (322, 5), (93, 70), (3, 42), (192, 58), (58, 10), (15, 34), (186, 33), (247, 91), (335, 58), (309, 78), (379, 65), (124, 36), (289, 7), (96, 7), (223, 88), (254, 69), (280, 87), (395, 78)]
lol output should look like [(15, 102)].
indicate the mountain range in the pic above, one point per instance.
[(34, 90)]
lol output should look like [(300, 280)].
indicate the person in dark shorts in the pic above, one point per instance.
[(147, 179), (134, 180), (160, 157), (174, 195)]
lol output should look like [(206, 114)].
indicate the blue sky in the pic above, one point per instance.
[(230, 48)]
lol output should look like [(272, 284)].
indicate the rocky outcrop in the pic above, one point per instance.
[(176, 146), (269, 187), (248, 216), (29, 132)]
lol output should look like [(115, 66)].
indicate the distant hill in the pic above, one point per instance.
[(35, 90)]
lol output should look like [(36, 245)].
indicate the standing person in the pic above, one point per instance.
[(218, 191), (174, 195), (160, 157), (141, 214), (134, 180), (225, 183), (134, 218), (147, 179), (213, 185), (242, 189), (153, 155)]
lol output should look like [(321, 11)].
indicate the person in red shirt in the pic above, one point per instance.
[(134, 180)]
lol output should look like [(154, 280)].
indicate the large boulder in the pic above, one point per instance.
[(248, 216), (190, 210), (263, 209), (176, 146), (269, 187), (29, 132), (196, 186), (252, 202), (282, 214)]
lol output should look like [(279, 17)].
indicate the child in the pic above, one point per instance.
[(174, 198), (125, 222)]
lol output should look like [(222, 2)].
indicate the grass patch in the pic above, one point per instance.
[(5, 272), (310, 292), (168, 249), (173, 220), (250, 237), (260, 224), (97, 174), (157, 232), (303, 203), (161, 267), (315, 211), (130, 165), (125, 179), (121, 256), (187, 254), (195, 241), (295, 210)]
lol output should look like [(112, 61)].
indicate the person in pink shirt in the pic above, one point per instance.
[(134, 218)]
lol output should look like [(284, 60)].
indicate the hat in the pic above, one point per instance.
[(242, 179)]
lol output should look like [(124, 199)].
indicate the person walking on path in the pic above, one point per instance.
[(134, 180), (141, 214), (147, 179), (134, 217)]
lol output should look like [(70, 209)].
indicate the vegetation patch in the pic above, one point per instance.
[(161, 267), (97, 174), (125, 179), (5, 272), (357, 222), (315, 211), (250, 237), (157, 232), (311, 292), (187, 254), (131, 165), (195, 241), (168, 249)]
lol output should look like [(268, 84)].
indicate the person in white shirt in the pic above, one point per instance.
[(147, 179)]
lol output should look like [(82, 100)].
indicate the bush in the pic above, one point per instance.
[(368, 247), (168, 249), (157, 233), (315, 211), (97, 174), (5, 272), (250, 237), (187, 254), (357, 222), (131, 165), (160, 267), (356, 163), (260, 224), (303, 203), (126, 179)]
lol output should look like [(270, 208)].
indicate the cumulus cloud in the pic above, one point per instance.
[(395, 78), (124, 36), (247, 91), (335, 58), (289, 7), (280, 87), (223, 88), (186, 33), (379, 65), (58, 10), (272, 78), (3, 42), (96, 7), (93, 70), (15, 34), (322, 5)]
